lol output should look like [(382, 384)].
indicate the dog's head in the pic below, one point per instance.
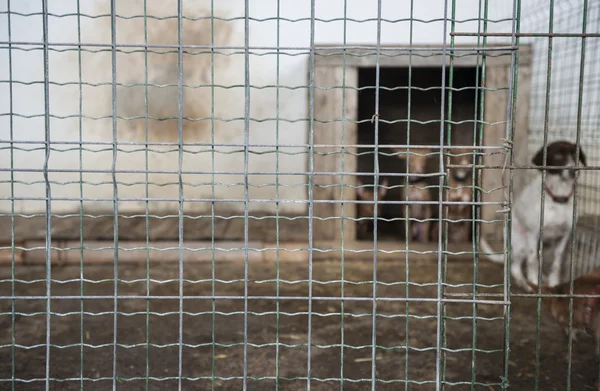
[(562, 154), (418, 159), (584, 308), (461, 157)]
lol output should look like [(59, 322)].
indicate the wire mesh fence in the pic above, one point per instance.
[(298, 195)]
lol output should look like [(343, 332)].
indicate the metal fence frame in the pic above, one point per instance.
[(321, 206)]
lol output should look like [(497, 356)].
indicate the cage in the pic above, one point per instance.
[(180, 207)]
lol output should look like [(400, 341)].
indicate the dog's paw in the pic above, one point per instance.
[(574, 335), (524, 286), (530, 282)]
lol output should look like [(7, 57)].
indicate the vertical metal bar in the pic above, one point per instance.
[(593, 116), (406, 184), (48, 189), (476, 174), (543, 194), (510, 124), (446, 189), (342, 255), (440, 305), (212, 186), (180, 178), (113, 25), (81, 242), (12, 198), (246, 180), (277, 271), (147, 203), (311, 182), (574, 216), (376, 200)]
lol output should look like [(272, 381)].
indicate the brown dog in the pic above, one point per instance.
[(586, 314), (460, 181), (366, 211), (418, 215)]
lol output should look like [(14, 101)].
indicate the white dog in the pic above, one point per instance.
[(558, 215)]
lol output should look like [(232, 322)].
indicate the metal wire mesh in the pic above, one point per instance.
[(568, 76), (283, 195)]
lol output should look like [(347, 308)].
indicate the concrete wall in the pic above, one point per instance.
[(25, 98)]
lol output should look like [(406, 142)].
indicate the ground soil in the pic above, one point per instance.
[(212, 331)]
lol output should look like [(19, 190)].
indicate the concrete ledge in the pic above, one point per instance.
[(225, 226), (102, 252), (7, 254)]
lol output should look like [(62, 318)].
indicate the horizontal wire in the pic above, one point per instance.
[(537, 35), (258, 250), (254, 378), (252, 86), (249, 297), (294, 173), (235, 119), (259, 282), (282, 145), (256, 201), (281, 49), (254, 345), (284, 19), (234, 313)]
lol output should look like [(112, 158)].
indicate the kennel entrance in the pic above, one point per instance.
[(344, 133), (409, 114)]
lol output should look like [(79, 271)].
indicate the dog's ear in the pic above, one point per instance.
[(582, 157), (363, 193), (538, 159)]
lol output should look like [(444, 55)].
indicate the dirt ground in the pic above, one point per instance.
[(213, 331)]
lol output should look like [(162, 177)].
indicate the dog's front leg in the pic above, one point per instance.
[(522, 250), (426, 225), (422, 231), (418, 231), (559, 250), (532, 266)]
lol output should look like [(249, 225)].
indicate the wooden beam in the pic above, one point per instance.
[(336, 109), (427, 56), (497, 96)]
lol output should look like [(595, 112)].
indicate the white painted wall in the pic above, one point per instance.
[(27, 97)]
